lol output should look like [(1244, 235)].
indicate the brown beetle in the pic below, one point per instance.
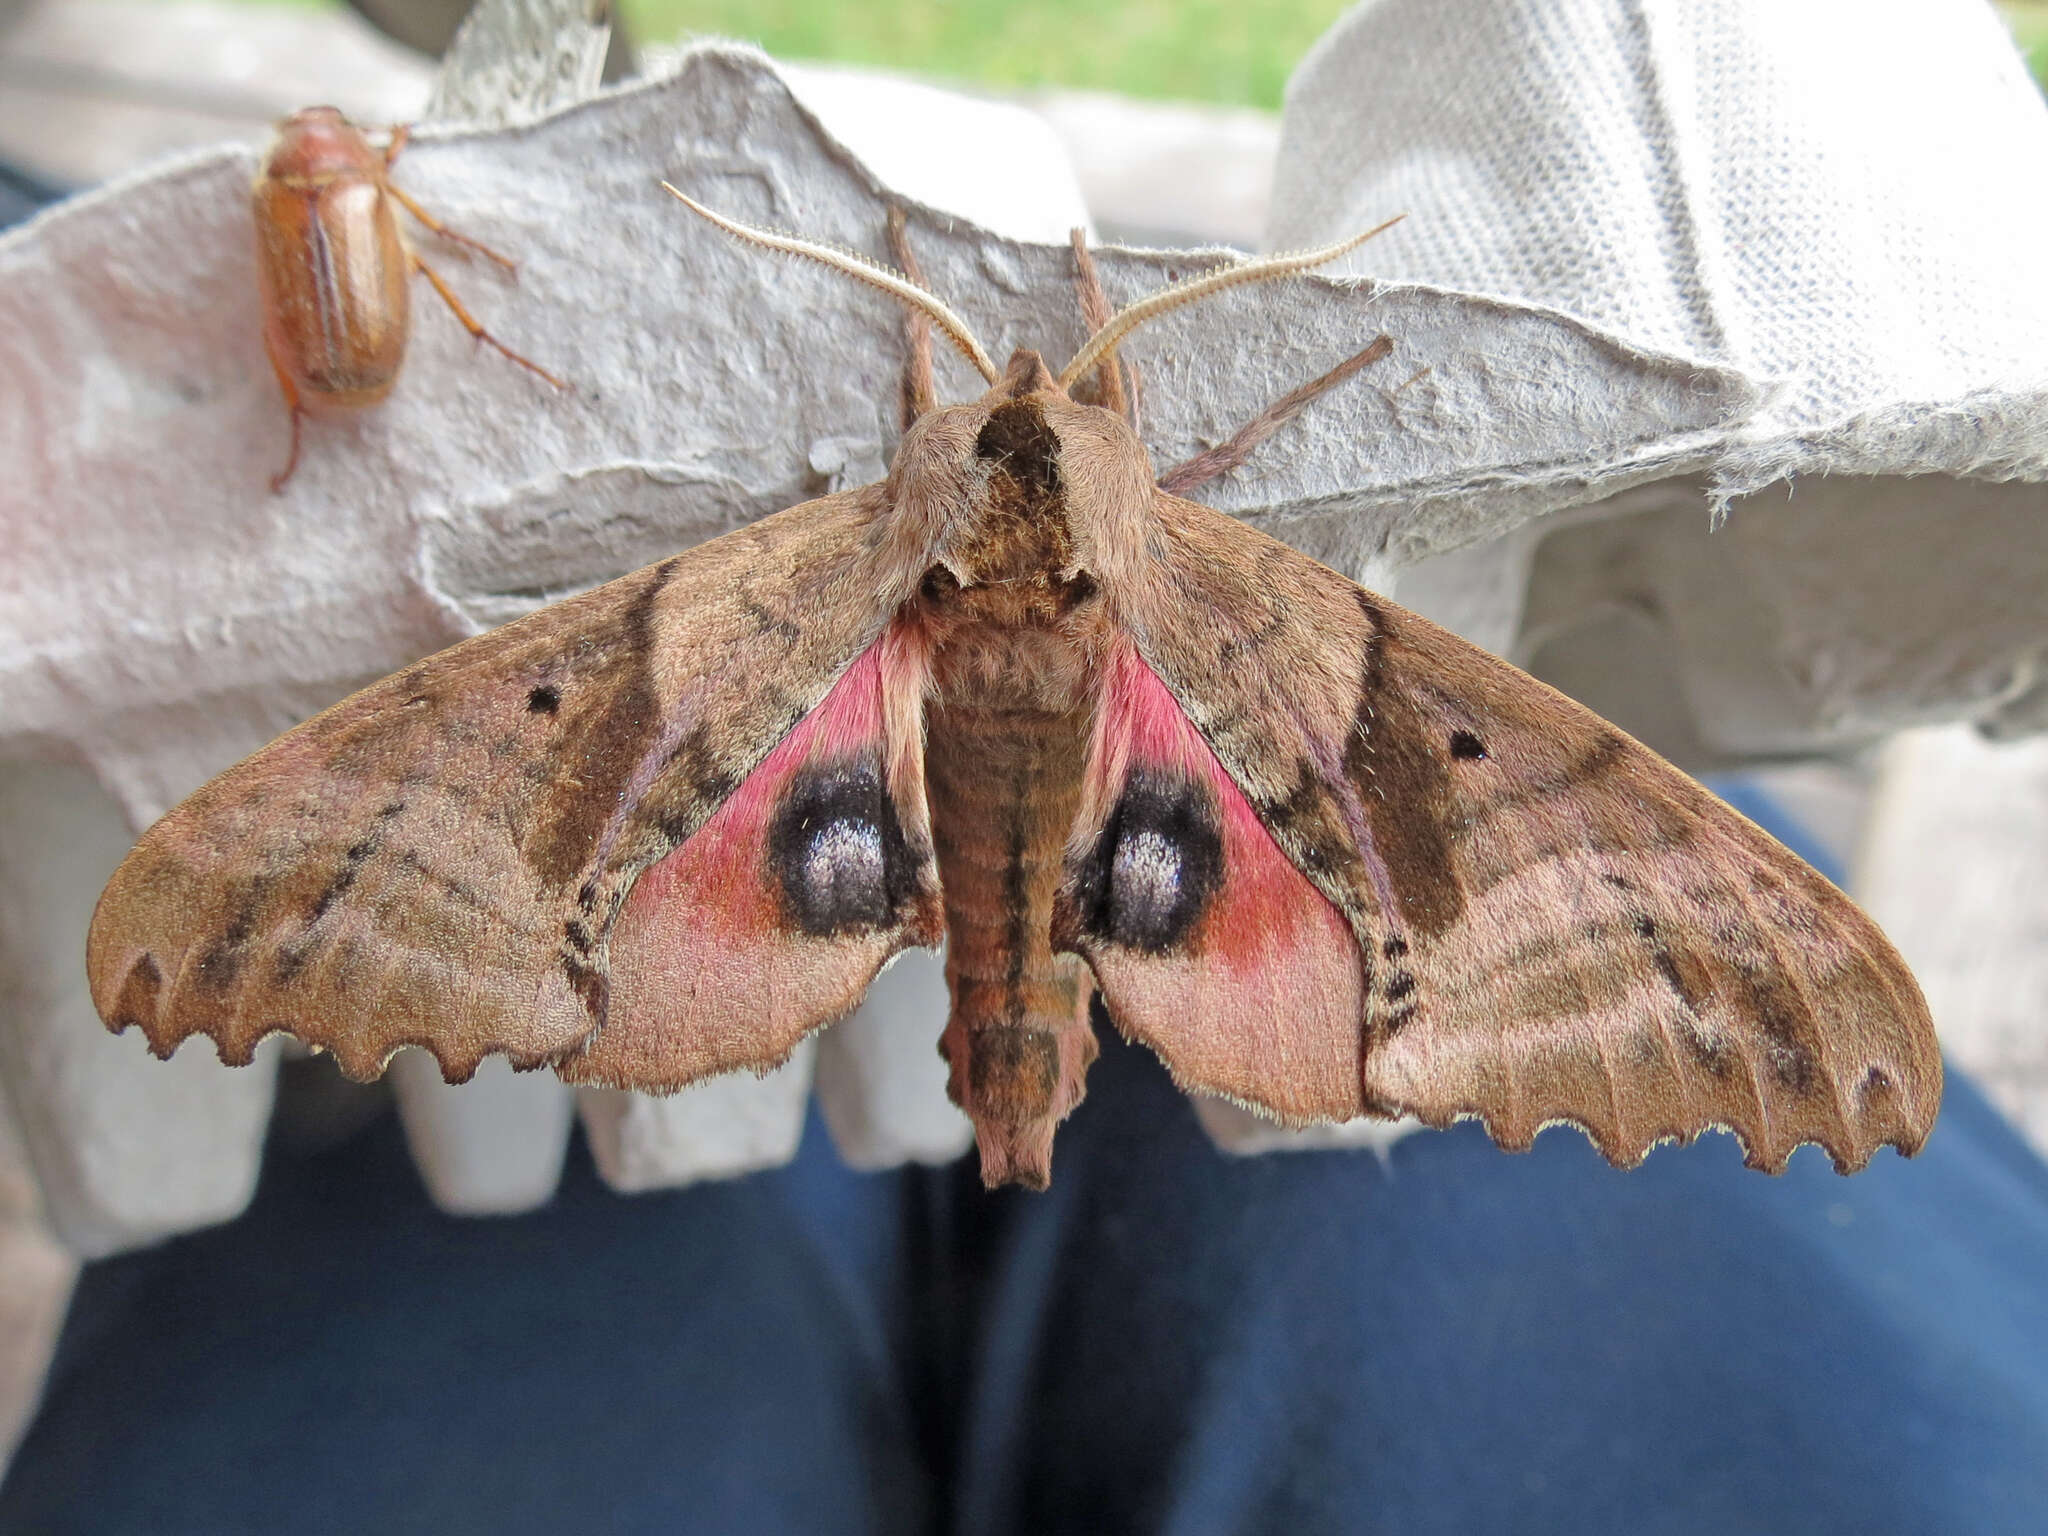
[(333, 268)]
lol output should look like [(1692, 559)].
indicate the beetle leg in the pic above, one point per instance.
[(400, 137), (446, 233), (470, 323), (298, 414)]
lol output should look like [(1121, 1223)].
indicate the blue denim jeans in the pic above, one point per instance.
[(1169, 1340)]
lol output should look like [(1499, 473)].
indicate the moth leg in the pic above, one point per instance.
[(1109, 388), (399, 138), (1244, 442), (298, 415), (920, 390), (470, 324), (444, 231), (1109, 385)]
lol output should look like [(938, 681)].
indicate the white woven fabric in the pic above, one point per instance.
[(1833, 195), (1839, 199)]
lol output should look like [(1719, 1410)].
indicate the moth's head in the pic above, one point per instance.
[(1013, 440), (1024, 480), (1026, 376)]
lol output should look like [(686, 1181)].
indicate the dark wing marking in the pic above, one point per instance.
[(440, 859), (771, 919), (1555, 924)]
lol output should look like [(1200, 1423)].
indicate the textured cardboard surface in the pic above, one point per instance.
[(710, 385)]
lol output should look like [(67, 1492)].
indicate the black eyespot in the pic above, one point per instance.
[(1466, 746), (838, 853), (1155, 867), (544, 700)]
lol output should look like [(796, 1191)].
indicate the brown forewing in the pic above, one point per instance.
[(437, 860), (1556, 924)]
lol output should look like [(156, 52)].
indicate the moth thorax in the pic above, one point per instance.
[(1014, 528)]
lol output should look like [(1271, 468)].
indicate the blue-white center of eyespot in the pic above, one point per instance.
[(1145, 874), (844, 857)]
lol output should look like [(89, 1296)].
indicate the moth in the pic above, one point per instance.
[(1318, 854), (334, 269)]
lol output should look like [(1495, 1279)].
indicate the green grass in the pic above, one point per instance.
[(2028, 22), (1238, 52), (1225, 51), (1234, 52)]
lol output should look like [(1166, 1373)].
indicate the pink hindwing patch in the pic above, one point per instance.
[(1210, 946), (770, 920)]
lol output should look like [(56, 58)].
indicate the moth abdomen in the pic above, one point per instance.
[(1014, 1074), (1005, 784), (1020, 1059)]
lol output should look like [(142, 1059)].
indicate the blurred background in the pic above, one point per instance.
[(1206, 51), (89, 88)]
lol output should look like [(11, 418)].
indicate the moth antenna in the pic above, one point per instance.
[(1200, 286), (873, 273)]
